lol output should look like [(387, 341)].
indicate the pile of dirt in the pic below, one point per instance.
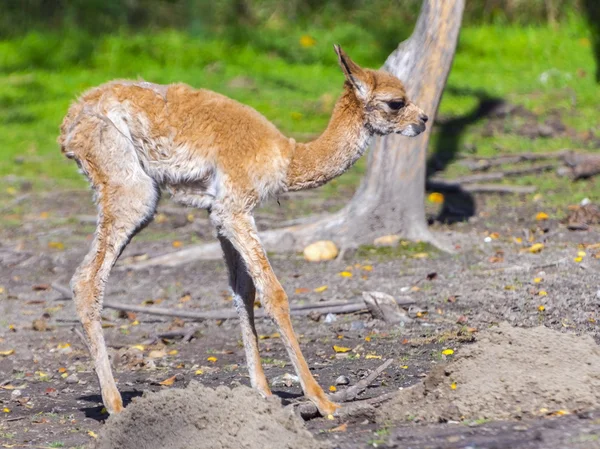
[(204, 418), (508, 373)]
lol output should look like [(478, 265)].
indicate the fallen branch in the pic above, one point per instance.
[(308, 410), (485, 163), (450, 186), (322, 308), (499, 175), (349, 394), (228, 314)]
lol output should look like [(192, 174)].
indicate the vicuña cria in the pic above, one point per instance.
[(132, 139)]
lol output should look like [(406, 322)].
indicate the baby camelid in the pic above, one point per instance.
[(132, 139)]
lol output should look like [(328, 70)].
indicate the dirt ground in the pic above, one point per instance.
[(49, 394)]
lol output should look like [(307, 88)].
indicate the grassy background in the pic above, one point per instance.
[(289, 73)]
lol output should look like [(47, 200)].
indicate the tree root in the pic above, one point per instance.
[(308, 410)]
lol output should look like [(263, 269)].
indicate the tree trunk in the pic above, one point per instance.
[(390, 199)]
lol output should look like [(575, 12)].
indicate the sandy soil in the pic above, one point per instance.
[(198, 417), (508, 373)]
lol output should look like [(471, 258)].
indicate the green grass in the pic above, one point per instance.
[(295, 87)]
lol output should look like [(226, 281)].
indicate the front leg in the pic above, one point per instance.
[(240, 230), (243, 292)]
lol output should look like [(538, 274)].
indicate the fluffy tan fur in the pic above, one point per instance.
[(132, 139)]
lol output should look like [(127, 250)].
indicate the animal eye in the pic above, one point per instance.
[(396, 105)]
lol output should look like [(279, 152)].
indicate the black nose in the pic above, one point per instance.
[(424, 118)]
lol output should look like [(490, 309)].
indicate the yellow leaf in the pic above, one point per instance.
[(453, 386), (64, 375), (307, 41), (6, 410), (494, 235), (341, 428), (372, 356), (578, 259), (346, 274), (341, 349), (420, 255), (1, 289), (63, 345), (185, 298), (8, 352), (387, 240), (537, 280), (44, 215), (436, 197), (518, 240), (168, 382), (448, 351), (404, 366), (542, 293), (581, 254), (536, 248), (199, 372), (190, 217), (212, 359), (330, 417), (332, 388), (160, 218), (56, 245), (140, 347), (92, 434), (367, 267), (541, 308), (173, 352), (321, 289), (177, 244), (541, 216), (11, 190), (62, 370), (367, 338)]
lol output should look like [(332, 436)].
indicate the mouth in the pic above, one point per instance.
[(412, 130)]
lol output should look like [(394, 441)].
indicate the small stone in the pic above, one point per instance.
[(315, 316), (285, 380), (342, 380), (487, 239), (72, 379), (357, 325), (330, 318), (16, 394), (320, 251)]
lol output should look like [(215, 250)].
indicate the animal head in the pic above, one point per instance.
[(387, 108)]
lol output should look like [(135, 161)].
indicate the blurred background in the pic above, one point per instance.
[(524, 77)]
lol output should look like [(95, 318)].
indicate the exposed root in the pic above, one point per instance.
[(308, 410)]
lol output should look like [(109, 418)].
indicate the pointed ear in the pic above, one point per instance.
[(353, 72)]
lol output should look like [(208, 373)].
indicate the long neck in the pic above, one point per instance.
[(333, 152)]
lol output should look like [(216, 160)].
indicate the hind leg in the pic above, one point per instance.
[(125, 204)]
